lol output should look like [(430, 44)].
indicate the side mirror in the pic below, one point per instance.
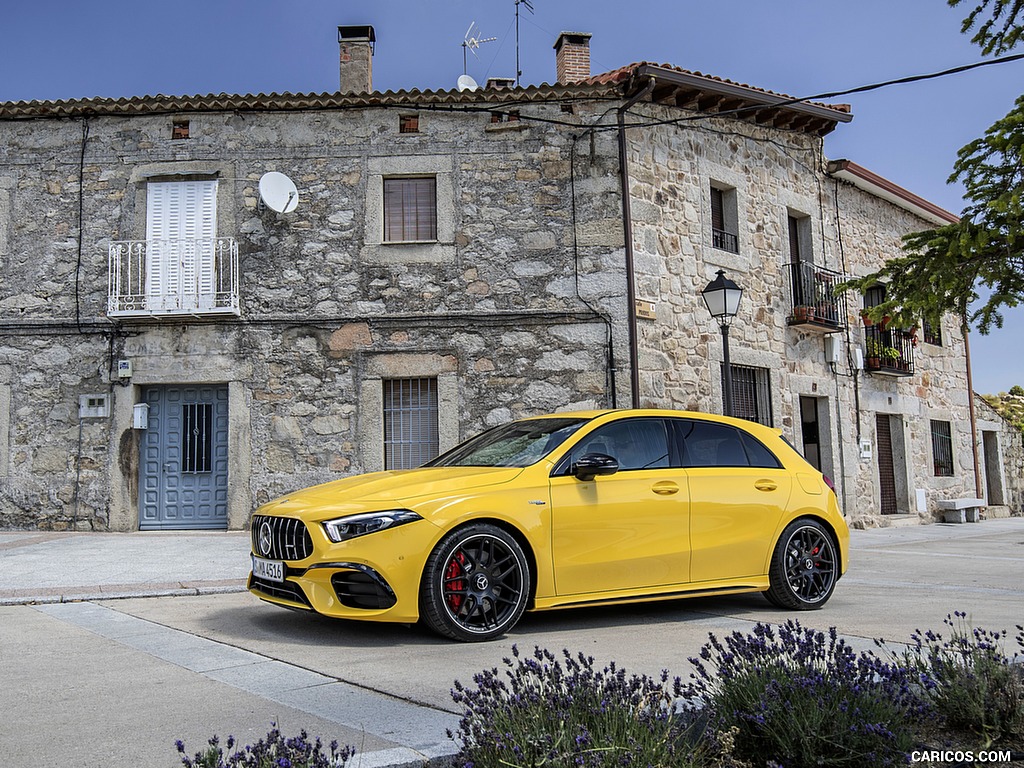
[(590, 465)]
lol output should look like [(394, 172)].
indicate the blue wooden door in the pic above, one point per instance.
[(184, 466)]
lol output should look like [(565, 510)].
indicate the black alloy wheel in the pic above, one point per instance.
[(804, 567), (475, 585)]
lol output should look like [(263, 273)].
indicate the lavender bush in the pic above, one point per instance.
[(274, 751), (568, 713), (801, 698), (970, 680)]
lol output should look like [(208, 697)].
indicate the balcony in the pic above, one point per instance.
[(165, 278), (888, 351), (725, 241), (815, 304)]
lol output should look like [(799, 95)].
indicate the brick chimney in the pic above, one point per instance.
[(356, 59), (572, 57)]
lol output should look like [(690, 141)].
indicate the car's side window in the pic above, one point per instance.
[(709, 444), (634, 443), (758, 454)]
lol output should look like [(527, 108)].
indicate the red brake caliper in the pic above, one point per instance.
[(453, 584)]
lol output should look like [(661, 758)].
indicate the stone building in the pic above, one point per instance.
[(174, 351), (1000, 450)]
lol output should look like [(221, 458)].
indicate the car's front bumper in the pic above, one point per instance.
[(373, 577)]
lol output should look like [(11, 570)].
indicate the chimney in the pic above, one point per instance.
[(572, 57), (356, 59)]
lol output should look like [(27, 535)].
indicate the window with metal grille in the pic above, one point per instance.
[(408, 124), (410, 422), (942, 448), (196, 437), (410, 210), (723, 220), (751, 393), (932, 333)]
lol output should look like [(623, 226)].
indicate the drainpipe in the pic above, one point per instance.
[(627, 226), (965, 329)]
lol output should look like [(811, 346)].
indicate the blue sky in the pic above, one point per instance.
[(61, 49)]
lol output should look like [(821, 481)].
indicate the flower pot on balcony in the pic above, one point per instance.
[(803, 312)]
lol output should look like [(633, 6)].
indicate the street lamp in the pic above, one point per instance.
[(722, 297)]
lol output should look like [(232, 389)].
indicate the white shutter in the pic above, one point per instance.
[(181, 227)]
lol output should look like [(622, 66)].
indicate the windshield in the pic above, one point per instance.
[(518, 444)]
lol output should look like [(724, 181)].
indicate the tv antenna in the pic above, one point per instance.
[(529, 7), (471, 41)]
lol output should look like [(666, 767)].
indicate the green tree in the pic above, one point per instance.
[(942, 269)]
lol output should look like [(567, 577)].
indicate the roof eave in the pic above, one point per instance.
[(871, 182)]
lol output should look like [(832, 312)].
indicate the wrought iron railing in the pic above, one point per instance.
[(888, 350), (197, 276), (725, 241), (814, 296)]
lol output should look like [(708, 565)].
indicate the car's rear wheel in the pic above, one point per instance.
[(804, 567), (476, 584)]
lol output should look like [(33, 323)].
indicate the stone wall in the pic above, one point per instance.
[(1001, 459), (771, 175), (510, 310)]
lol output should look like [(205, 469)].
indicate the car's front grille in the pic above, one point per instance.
[(287, 590), (280, 538)]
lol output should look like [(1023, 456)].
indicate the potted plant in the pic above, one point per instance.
[(873, 353), (803, 312)]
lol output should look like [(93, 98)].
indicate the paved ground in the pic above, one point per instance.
[(89, 680)]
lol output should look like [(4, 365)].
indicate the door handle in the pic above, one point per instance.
[(665, 488), (766, 485)]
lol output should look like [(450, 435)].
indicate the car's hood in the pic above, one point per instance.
[(377, 489)]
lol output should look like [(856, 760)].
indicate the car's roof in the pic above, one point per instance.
[(664, 412)]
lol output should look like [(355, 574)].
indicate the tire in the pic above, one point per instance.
[(475, 585), (804, 567)]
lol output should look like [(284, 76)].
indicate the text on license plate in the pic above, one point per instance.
[(271, 570)]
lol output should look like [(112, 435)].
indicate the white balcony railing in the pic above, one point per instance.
[(150, 278)]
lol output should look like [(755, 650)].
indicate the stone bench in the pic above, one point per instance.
[(960, 510)]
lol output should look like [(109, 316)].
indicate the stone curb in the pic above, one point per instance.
[(120, 592)]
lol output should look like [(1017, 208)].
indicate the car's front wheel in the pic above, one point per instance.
[(804, 567), (476, 584)]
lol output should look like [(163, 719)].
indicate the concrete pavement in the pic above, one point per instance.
[(87, 676)]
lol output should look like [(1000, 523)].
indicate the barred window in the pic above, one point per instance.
[(932, 333), (196, 438), (410, 210), (410, 422), (724, 225), (751, 393), (942, 448)]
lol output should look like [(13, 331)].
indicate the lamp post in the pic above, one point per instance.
[(722, 297)]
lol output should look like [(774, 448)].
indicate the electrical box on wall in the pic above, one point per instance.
[(140, 416), (93, 406), (124, 369), (865, 449), (832, 349)]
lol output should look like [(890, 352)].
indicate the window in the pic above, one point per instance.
[(408, 124), (723, 220), (751, 393), (709, 444), (410, 210), (635, 443), (932, 333), (181, 234), (196, 437), (410, 422), (942, 448), (179, 129)]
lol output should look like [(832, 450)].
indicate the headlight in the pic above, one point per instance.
[(345, 528)]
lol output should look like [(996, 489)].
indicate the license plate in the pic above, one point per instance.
[(271, 570)]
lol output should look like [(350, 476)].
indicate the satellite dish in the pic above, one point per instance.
[(467, 83), (278, 192)]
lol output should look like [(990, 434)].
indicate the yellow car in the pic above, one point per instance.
[(571, 509)]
